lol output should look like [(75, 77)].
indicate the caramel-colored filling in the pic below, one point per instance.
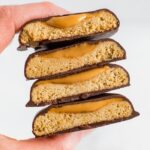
[(71, 58), (99, 79), (66, 21), (79, 77), (74, 26), (85, 107), (52, 122), (72, 52)]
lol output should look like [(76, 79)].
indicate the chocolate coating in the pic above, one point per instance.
[(95, 125), (73, 71), (75, 97), (67, 41)]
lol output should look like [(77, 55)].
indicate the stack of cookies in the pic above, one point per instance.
[(74, 72)]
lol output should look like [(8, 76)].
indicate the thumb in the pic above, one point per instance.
[(12, 18), (27, 12), (6, 143)]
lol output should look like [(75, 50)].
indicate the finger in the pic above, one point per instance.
[(7, 29), (12, 18), (27, 12), (6, 142), (72, 139), (64, 141)]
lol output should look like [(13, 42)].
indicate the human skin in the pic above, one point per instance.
[(12, 18)]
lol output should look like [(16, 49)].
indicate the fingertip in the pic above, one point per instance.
[(70, 140), (27, 12), (83, 133), (74, 138), (47, 4)]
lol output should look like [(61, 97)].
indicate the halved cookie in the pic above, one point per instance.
[(68, 27), (90, 113), (78, 86), (72, 59)]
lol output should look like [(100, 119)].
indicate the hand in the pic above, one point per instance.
[(66, 141), (12, 18)]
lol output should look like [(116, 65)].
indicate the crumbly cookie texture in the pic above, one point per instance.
[(100, 22), (53, 122), (98, 79), (40, 65)]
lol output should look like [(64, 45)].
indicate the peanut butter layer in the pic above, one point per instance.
[(67, 21), (95, 80), (79, 77), (71, 52), (85, 107), (71, 26), (57, 120), (62, 60)]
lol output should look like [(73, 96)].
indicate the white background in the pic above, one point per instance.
[(134, 35)]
